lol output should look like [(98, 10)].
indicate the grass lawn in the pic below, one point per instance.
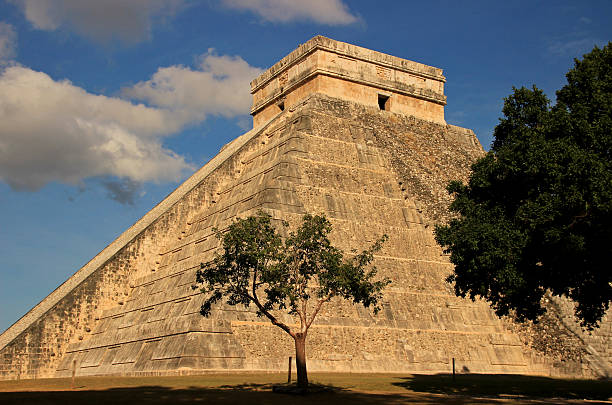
[(250, 388)]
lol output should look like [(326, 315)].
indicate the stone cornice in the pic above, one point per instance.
[(348, 50), (408, 90)]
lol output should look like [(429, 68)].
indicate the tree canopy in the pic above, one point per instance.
[(536, 214), (297, 275)]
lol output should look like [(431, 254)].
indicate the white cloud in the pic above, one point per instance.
[(332, 12), (55, 131), (575, 47), (8, 39), (102, 20), (220, 85)]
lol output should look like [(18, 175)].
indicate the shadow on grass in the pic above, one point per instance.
[(256, 394), (496, 385)]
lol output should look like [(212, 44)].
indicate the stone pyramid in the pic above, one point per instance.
[(341, 130)]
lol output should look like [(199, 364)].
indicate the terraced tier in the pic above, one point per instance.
[(322, 160)]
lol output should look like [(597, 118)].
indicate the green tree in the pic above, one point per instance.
[(536, 214), (297, 275)]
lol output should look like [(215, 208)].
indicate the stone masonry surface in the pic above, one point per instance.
[(132, 311), (351, 73)]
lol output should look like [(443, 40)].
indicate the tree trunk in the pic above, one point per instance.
[(300, 359)]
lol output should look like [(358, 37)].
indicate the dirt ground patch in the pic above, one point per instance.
[(250, 388)]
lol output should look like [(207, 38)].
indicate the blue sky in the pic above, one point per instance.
[(105, 106)]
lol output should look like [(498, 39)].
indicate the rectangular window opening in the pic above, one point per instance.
[(383, 102)]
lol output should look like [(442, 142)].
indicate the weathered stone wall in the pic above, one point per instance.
[(371, 172), (157, 328), (424, 155), (36, 347), (132, 311), (36, 352), (351, 73)]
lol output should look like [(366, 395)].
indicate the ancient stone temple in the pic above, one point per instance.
[(341, 130)]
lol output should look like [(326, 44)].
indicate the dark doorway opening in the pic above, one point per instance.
[(383, 102)]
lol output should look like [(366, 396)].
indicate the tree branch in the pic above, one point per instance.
[(303, 315), (318, 308), (264, 311), (578, 218), (272, 318)]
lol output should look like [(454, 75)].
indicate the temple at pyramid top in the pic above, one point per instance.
[(340, 70)]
